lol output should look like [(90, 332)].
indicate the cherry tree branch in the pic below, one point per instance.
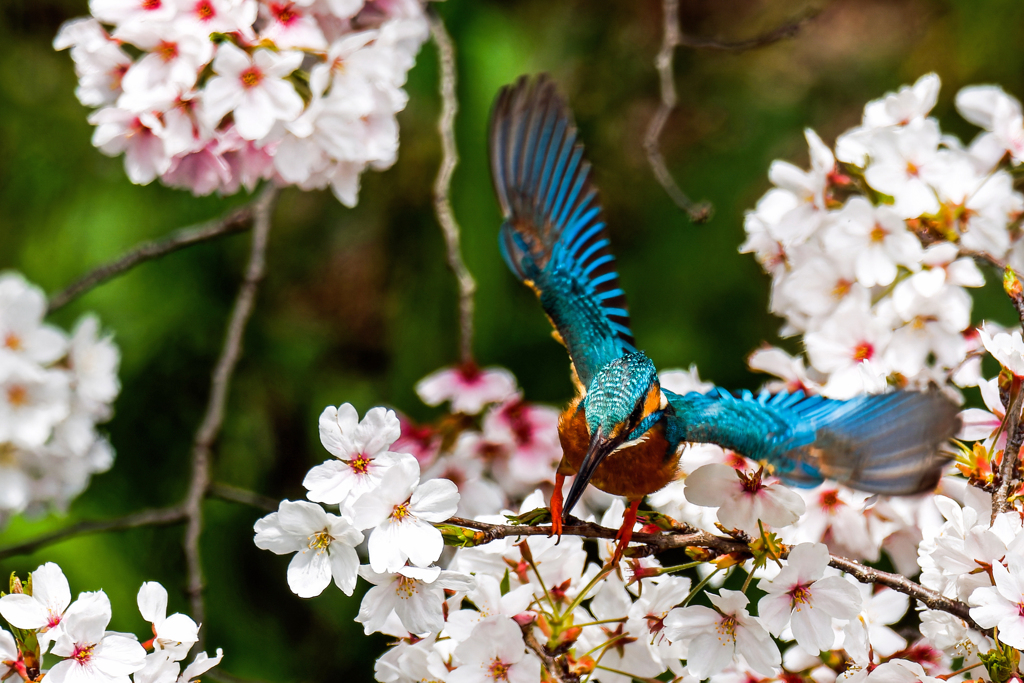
[(156, 517), (556, 666), (783, 32), (689, 537), (672, 38), (237, 220), (233, 494), (220, 381), (443, 182)]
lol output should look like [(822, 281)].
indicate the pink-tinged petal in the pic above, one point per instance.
[(435, 500), (152, 600), (344, 567), (309, 573), (989, 608), (836, 596), (977, 424), (23, 611), (812, 628), (709, 485)]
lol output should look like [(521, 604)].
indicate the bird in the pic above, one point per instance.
[(623, 432)]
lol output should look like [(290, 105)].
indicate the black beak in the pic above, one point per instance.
[(599, 449)]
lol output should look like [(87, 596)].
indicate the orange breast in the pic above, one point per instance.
[(632, 472)]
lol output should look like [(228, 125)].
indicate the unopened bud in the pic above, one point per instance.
[(524, 548), (582, 666), (544, 626), (698, 554), (729, 560), (569, 635), (525, 618), (1011, 284), (16, 586)]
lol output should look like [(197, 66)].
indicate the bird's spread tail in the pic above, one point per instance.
[(886, 443)]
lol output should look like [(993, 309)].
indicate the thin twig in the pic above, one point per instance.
[(556, 666), (787, 30), (698, 213), (237, 220), (234, 494), (219, 384), (443, 183), (143, 518), (721, 545), (1008, 466)]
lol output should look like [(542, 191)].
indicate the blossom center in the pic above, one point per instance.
[(498, 670), (829, 501), (167, 50), (116, 75), (727, 626), (83, 652), (251, 77), (13, 342), (751, 482), (913, 169), (400, 512), (841, 289), (283, 12), (800, 595), (878, 233), (150, 5), (204, 10), (321, 540), (863, 351), (405, 587), (52, 619), (360, 465), (17, 395)]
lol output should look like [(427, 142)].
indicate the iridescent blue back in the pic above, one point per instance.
[(553, 237)]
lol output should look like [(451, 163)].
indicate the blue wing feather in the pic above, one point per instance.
[(553, 236), (881, 443)]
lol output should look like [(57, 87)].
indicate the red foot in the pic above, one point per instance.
[(625, 531), (556, 507)]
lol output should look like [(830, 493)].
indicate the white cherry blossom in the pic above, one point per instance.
[(414, 594), (909, 103), (801, 596), (468, 388), (324, 546), (253, 88), (1007, 348), (43, 610), (495, 652), (716, 636), (93, 655), (1002, 606), (175, 634), (742, 498), (401, 512), (361, 449), (875, 239)]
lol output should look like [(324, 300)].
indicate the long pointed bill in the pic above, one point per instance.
[(598, 451)]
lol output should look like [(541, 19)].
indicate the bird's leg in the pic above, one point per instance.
[(625, 531), (556, 506)]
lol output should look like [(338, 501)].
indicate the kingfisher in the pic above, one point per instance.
[(623, 432)]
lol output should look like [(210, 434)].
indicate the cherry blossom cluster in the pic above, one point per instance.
[(215, 95), (870, 251), (68, 641), (54, 388)]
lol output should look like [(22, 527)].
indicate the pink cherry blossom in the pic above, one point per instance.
[(468, 387), (743, 498)]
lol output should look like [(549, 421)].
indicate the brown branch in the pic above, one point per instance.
[(233, 494), (787, 30), (443, 183), (219, 384), (1007, 468), (698, 213), (721, 545), (238, 220), (156, 517), (557, 667)]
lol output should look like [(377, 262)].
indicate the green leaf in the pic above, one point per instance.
[(506, 584)]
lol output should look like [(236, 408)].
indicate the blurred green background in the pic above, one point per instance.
[(358, 304)]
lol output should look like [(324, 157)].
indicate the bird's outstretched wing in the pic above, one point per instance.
[(881, 443), (554, 238)]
